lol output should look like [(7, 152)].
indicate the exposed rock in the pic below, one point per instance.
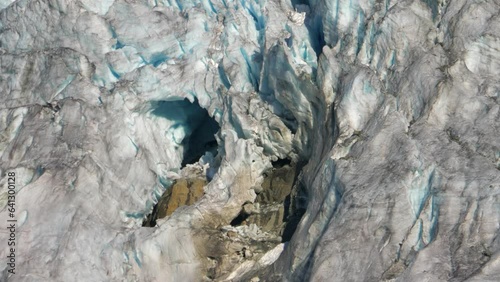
[(273, 206), (230, 247), (184, 192), (270, 218), (277, 185), (257, 230), (391, 106)]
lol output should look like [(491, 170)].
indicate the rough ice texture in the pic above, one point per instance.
[(392, 104)]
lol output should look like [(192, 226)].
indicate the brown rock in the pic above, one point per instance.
[(183, 192), (269, 219), (232, 234), (178, 198), (196, 188), (277, 185)]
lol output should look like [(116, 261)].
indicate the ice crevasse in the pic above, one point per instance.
[(381, 117)]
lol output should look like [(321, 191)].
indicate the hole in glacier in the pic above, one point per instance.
[(240, 219), (281, 163), (202, 140), (198, 139), (199, 127)]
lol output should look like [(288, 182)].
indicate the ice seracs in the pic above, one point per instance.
[(388, 110)]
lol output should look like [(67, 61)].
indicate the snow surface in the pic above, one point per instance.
[(392, 104)]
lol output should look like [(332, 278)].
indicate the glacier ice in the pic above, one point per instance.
[(389, 108)]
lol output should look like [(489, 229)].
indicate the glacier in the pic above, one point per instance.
[(381, 118)]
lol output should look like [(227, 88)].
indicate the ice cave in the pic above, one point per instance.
[(249, 140)]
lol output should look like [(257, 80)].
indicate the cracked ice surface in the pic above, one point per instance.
[(392, 104)]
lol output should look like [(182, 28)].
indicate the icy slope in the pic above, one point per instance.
[(391, 106)]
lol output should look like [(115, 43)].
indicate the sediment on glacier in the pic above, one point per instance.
[(281, 140)]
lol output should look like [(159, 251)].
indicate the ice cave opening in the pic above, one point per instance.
[(197, 126), (193, 130)]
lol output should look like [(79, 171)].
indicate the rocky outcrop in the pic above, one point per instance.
[(184, 192), (272, 210), (392, 106), (259, 229)]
